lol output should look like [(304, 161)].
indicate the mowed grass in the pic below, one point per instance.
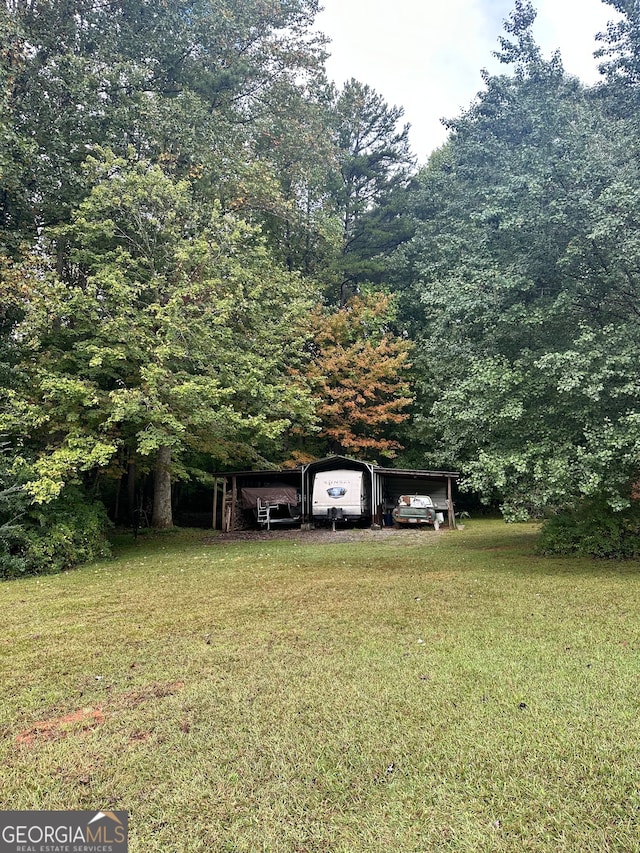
[(409, 691)]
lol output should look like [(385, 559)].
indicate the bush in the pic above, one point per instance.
[(593, 529), (13, 505), (57, 536)]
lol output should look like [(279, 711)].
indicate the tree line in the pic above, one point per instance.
[(211, 257)]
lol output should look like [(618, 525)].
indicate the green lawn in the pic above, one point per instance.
[(404, 692)]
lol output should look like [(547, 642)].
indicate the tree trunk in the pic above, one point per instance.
[(131, 493), (162, 516)]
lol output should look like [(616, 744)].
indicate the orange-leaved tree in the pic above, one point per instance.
[(359, 374)]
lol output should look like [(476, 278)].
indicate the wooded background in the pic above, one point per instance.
[(211, 257)]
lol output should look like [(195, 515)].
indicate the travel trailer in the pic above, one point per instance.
[(339, 495)]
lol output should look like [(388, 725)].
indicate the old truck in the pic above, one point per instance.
[(416, 509)]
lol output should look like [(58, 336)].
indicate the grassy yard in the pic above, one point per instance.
[(404, 692)]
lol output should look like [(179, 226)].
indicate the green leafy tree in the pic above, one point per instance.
[(168, 329), (185, 86), (297, 150), (527, 261), (620, 54), (13, 505)]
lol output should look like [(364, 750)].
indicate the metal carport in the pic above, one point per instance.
[(387, 484)]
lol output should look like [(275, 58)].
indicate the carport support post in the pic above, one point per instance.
[(215, 503), (234, 486), (306, 512), (450, 513), (225, 509)]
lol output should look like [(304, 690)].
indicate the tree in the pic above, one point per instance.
[(13, 504), (375, 165), (294, 142), (359, 374), (620, 52), (184, 85), (527, 258), (168, 328)]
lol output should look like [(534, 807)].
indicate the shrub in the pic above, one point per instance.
[(57, 536), (593, 529), (13, 505)]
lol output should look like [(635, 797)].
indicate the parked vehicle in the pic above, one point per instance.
[(274, 504), (416, 509), (339, 495)]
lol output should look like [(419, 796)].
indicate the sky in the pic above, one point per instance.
[(426, 55)]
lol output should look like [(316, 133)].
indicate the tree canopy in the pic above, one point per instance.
[(168, 327), (526, 258), (169, 220), (212, 257)]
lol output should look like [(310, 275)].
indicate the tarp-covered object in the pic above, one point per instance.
[(277, 493)]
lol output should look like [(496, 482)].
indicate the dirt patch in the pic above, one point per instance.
[(326, 536), (55, 728), (151, 691), (87, 719), (139, 737)]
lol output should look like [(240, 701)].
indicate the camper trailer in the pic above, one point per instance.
[(339, 495)]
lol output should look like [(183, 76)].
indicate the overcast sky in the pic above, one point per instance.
[(426, 55)]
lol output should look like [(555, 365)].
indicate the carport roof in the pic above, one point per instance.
[(414, 472), (252, 472), (379, 469), (328, 460)]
